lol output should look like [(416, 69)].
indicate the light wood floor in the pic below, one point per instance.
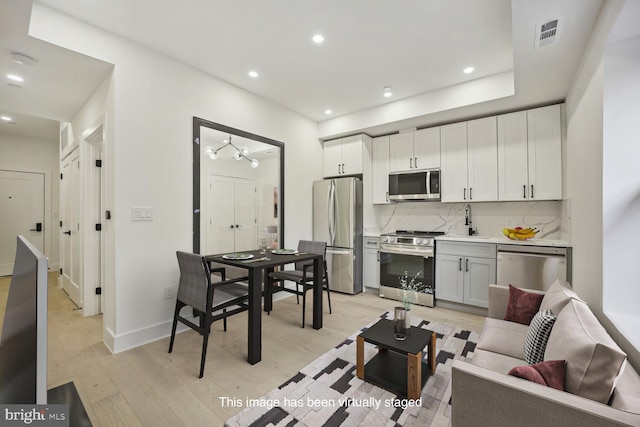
[(146, 386)]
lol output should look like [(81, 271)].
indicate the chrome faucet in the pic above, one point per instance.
[(467, 220)]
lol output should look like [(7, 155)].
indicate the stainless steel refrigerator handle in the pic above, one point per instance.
[(330, 213)]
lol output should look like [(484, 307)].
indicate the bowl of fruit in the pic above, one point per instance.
[(519, 233)]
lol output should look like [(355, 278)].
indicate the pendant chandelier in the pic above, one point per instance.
[(240, 153)]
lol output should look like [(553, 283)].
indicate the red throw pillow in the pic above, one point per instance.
[(549, 373), (522, 305)]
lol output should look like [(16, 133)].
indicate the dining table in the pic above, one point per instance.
[(258, 266)]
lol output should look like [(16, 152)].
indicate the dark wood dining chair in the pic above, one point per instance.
[(195, 289), (302, 275)]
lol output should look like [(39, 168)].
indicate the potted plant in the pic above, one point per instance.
[(410, 286)]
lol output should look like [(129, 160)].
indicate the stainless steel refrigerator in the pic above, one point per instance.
[(337, 220)]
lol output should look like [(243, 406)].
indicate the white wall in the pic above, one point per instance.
[(155, 100), (621, 185), (32, 154), (585, 108)]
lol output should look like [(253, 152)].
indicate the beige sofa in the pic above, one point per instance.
[(483, 394)]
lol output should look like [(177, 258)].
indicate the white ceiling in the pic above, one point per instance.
[(414, 46)]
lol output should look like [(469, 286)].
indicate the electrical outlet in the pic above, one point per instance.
[(168, 292)]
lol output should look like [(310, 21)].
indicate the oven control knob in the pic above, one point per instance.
[(391, 239), (425, 242), (418, 241)]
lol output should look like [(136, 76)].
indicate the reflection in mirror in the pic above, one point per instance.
[(237, 189)]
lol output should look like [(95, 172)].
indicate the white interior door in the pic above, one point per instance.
[(232, 209), (21, 209), (70, 254), (220, 208), (245, 215)]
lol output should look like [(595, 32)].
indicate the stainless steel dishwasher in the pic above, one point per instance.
[(532, 267)]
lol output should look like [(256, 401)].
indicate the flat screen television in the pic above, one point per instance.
[(23, 343)]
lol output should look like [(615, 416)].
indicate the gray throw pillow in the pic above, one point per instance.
[(535, 342)]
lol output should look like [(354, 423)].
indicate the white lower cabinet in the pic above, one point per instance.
[(464, 272), (371, 265)]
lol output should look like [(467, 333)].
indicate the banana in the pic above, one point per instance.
[(520, 233)]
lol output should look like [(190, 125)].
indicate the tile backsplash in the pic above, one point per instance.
[(488, 218)]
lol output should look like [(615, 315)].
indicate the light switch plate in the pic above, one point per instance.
[(142, 214)]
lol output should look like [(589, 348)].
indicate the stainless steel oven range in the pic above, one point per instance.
[(411, 252)]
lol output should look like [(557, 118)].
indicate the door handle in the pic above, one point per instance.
[(460, 264), (38, 227), (466, 265), (68, 233), (524, 191), (532, 191)]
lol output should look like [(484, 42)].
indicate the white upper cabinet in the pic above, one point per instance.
[(453, 143), (545, 153), (401, 152), (426, 148), (530, 155), (380, 170), (343, 156), (332, 158), (469, 161), (419, 150), (482, 160)]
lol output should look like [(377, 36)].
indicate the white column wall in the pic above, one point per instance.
[(155, 99), (585, 109)]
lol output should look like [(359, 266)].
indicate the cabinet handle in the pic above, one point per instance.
[(459, 264), (387, 195), (410, 163), (524, 191), (532, 191), (464, 194), (378, 256), (470, 193), (338, 168), (415, 162), (466, 265)]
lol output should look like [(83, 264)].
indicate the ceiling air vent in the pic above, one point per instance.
[(547, 33)]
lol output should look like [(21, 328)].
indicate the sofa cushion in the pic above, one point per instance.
[(535, 342), (549, 373), (522, 305), (594, 361), (504, 337), (495, 361), (557, 296), (626, 395)]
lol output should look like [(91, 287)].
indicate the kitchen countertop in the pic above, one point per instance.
[(503, 240)]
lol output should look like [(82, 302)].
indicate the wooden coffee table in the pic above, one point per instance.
[(398, 366)]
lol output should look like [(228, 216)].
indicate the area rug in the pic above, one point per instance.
[(327, 392)]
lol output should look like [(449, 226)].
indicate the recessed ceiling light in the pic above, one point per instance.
[(387, 91), (15, 78), (253, 74), (318, 38), (22, 59), (468, 70), (327, 112), (6, 118)]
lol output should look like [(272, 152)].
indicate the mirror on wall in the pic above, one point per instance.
[(238, 181)]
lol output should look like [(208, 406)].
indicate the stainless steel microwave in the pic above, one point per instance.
[(415, 186)]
